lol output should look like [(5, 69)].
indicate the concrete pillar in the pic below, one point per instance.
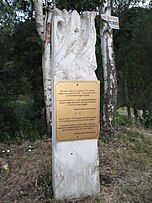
[(75, 172)]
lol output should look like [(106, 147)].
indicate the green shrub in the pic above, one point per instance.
[(21, 122), (124, 120), (147, 121), (8, 123)]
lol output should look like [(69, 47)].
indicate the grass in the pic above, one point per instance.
[(137, 162), (125, 170)]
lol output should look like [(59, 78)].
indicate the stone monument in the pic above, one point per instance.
[(75, 161)]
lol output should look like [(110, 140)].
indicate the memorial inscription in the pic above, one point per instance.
[(77, 110)]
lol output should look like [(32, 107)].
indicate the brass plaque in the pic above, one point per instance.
[(77, 110)]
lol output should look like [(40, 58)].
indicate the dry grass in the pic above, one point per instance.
[(29, 179), (125, 170)]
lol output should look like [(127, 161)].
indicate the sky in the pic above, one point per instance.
[(146, 3)]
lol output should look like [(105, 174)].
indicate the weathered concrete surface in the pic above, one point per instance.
[(75, 163)]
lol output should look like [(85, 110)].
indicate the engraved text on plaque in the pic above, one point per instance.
[(77, 110)]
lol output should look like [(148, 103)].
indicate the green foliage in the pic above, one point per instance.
[(124, 120), (8, 123), (133, 46), (147, 121), (121, 5), (27, 132), (21, 95), (21, 73), (80, 6)]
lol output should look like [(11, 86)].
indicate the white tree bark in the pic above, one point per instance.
[(75, 171), (110, 81), (46, 67), (43, 24), (38, 4)]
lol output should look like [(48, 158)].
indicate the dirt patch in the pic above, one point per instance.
[(30, 172)]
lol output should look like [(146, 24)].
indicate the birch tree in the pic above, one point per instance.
[(109, 68), (43, 14), (110, 88)]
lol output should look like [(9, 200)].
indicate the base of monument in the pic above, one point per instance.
[(75, 170)]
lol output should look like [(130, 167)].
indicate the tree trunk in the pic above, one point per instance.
[(46, 67), (44, 29), (38, 4), (127, 97), (144, 113), (136, 113), (110, 81)]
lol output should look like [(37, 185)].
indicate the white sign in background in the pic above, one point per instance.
[(113, 21)]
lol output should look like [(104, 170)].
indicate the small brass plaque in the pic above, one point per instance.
[(77, 105)]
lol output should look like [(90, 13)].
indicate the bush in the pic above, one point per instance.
[(8, 123), (24, 122), (147, 121), (124, 120)]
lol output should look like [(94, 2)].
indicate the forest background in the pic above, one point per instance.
[(22, 109)]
